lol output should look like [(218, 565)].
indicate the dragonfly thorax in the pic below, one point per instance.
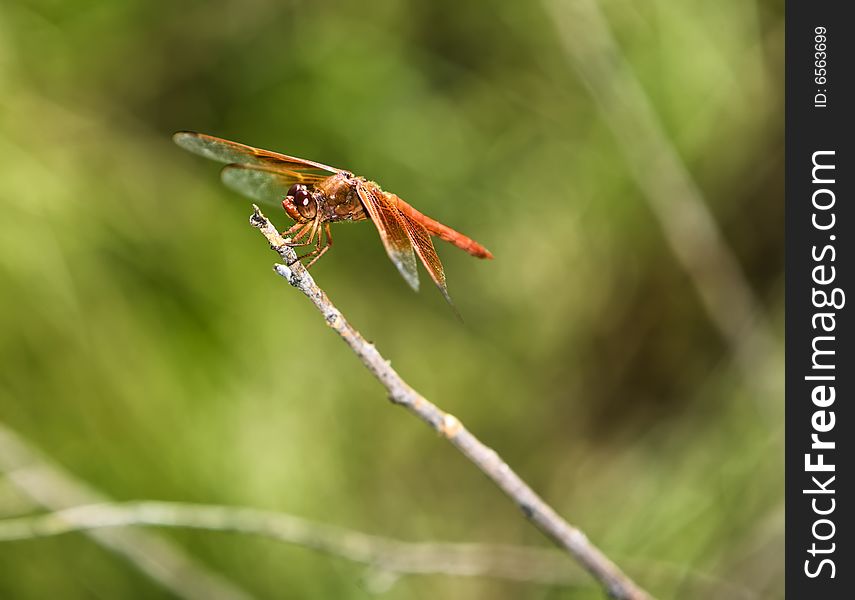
[(339, 199)]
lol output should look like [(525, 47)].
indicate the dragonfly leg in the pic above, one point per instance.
[(291, 230), (317, 246), (305, 229), (313, 229), (321, 251)]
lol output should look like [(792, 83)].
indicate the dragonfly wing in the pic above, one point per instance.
[(226, 151), (263, 183), (423, 245), (390, 225)]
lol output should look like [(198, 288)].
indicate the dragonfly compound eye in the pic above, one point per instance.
[(303, 200)]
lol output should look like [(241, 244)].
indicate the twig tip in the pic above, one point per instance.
[(257, 219)]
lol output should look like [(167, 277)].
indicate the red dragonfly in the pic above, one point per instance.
[(315, 195)]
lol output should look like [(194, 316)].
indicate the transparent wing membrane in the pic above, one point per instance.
[(423, 246), (390, 226), (262, 183), (226, 151)]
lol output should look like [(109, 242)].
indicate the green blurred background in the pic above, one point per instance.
[(147, 347)]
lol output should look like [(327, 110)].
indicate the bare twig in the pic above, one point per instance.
[(673, 196), (613, 580), (164, 562), (515, 563)]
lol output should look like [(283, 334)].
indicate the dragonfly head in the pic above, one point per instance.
[(301, 203)]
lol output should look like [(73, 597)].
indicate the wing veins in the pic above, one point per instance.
[(390, 225), (226, 151), (423, 245)]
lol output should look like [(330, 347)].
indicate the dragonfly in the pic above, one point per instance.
[(315, 195)]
